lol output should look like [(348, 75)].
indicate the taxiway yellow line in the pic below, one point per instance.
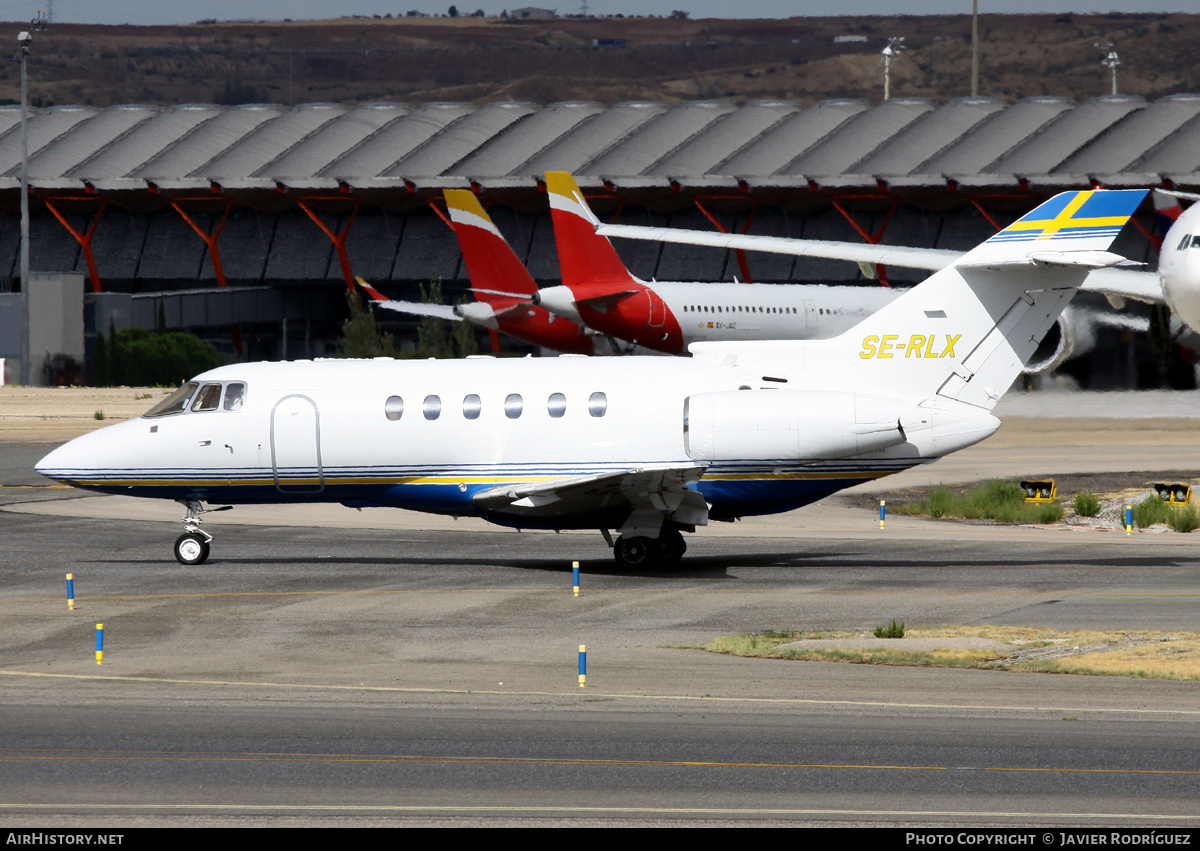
[(65, 754), (781, 701)]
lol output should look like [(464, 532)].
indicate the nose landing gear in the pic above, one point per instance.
[(193, 545)]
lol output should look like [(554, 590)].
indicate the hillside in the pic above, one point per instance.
[(418, 60)]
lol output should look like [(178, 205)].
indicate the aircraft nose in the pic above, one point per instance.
[(72, 460)]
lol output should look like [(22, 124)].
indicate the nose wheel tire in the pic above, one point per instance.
[(191, 548)]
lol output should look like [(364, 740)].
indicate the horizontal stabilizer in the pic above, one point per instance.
[(418, 308), (1081, 259), (606, 298)]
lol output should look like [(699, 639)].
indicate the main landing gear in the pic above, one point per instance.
[(192, 546), (664, 551)]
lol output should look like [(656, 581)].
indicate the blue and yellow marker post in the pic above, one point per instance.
[(882, 512), (582, 665), (99, 643), (1128, 520), (575, 573), (71, 591)]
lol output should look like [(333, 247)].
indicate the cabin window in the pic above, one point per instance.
[(471, 407), (556, 405), (174, 403), (235, 395), (513, 404), (432, 407), (597, 404), (393, 408)]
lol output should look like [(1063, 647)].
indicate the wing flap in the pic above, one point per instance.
[(663, 489)]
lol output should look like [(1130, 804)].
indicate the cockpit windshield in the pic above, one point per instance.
[(174, 403)]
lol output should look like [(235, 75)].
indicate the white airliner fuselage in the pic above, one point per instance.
[(687, 313)]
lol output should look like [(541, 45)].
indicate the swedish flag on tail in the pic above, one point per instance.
[(965, 333), (995, 303), (1071, 222), (1074, 216)]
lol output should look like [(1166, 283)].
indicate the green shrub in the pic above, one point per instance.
[(999, 499), (893, 630), (1086, 504), (1184, 519), (1151, 511)]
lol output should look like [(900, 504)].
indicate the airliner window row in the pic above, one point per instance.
[(514, 406), (741, 308), (209, 398)]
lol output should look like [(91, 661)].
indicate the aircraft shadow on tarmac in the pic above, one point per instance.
[(705, 566)]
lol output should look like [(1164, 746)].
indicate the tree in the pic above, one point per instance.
[(135, 357), (361, 337), (437, 338), (453, 12)]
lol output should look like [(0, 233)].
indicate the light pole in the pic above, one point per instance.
[(1110, 61), (24, 40), (892, 51)]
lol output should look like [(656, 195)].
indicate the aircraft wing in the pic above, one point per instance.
[(657, 488), (1125, 283), (1115, 283), (887, 255)]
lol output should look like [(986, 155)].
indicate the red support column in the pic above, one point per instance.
[(210, 239), (84, 239), (743, 263), (339, 238), (872, 238)]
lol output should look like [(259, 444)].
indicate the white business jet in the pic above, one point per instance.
[(647, 446), (1175, 284)]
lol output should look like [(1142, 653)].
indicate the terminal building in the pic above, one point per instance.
[(247, 224)]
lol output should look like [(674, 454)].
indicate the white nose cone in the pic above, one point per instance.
[(560, 301), (74, 460)]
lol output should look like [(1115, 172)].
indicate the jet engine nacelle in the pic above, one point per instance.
[(791, 424), (1071, 334)]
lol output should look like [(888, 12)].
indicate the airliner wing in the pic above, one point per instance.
[(1126, 283), (887, 255), (1117, 283), (658, 488)]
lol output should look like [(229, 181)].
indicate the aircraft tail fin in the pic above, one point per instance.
[(584, 256), (967, 331), (497, 275)]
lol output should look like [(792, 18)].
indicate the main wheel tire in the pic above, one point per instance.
[(671, 546), (191, 548), (632, 552)]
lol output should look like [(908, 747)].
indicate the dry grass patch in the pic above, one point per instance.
[(1124, 653)]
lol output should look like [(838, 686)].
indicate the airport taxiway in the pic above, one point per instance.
[(381, 667)]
